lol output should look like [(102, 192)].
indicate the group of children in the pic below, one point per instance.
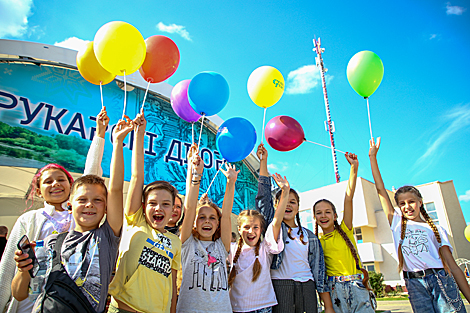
[(276, 266)]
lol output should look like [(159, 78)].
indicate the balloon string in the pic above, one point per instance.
[(200, 133), (192, 133), (208, 188), (324, 146), (125, 95), (102, 104), (368, 113), (145, 96), (262, 129)]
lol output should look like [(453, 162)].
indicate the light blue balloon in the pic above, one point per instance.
[(235, 139), (208, 93)]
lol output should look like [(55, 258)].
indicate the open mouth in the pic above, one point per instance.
[(158, 217), (206, 228), (88, 213), (251, 238), (56, 192), (288, 210), (324, 221)]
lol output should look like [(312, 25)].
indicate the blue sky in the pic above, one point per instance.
[(421, 110)]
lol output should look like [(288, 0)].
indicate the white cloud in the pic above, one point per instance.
[(304, 79), (73, 43), (14, 17), (174, 29), (456, 120), (454, 9), (432, 36), (278, 167), (465, 197)]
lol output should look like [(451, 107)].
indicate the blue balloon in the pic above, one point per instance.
[(235, 139), (208, 93)]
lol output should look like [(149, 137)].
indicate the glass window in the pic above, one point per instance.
[(370, 267), (431, 209), (306, 219), (358, 234)]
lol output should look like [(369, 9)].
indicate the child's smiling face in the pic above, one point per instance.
[(54, 186), (250, 231), (325, 216), (88, 206), (410, 205), (207, 223), (158, 208)]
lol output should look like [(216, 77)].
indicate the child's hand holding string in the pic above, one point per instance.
[(140, 123), (352, 159), (123, 128), (262, 153), (374, 147), (102, 121)]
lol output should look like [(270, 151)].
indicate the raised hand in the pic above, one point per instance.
[(231, 173), (102, 121), (374, 147), (197, 164), (140, 122), (122, 128), (193, 150), (262, 153), (352, 159), (281, 182)]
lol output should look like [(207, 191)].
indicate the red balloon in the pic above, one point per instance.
[(283, 133), (161, 60)]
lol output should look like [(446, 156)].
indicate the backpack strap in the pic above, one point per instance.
[(56, 262)]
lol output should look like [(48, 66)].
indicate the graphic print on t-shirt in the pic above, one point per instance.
[(216, 271), (155, 261), (415, 242), (83, 267)]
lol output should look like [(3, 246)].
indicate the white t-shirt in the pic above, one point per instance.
[(245, 295), (420, 246), (295, 261)]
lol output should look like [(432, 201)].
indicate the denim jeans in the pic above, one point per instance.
[(434, 293), (350, 296)]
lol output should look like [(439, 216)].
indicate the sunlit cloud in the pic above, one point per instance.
[(454, 9), (455, 120), (433, 36), (304, 79), (465, 197), (14, 17), (174, 29), (73, 43), (278, 167)]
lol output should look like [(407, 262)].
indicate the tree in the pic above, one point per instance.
[(376, 282)]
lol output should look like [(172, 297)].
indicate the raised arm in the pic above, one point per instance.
[(136, 185), (281, 207), (264, 200), (350, 189), (196, 167), (379, 183), (116, 179), (225, 222), (95, 152)]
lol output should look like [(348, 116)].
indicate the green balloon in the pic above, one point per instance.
[(365, 72)]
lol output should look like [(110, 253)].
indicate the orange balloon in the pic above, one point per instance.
[(90, 68)]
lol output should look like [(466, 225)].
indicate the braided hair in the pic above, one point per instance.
[(349, 244), (297, 216), (428, 220), (257, 265)]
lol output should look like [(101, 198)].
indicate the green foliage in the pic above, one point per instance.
[(376, 282)]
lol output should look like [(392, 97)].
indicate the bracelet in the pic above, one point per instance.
[(196, 175), (195, 182)]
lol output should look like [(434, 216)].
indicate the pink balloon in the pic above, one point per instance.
[(180, 102), (283, 133)]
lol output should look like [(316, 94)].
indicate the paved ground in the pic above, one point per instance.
[(402, 306)]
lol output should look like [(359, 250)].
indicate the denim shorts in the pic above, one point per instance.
[(434, 293), (350, 296)]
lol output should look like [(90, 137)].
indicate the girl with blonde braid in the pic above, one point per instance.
[(424, 252), (250, 279), (349, 287)]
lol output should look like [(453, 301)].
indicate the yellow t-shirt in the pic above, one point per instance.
[(143, 277), (339, 260)]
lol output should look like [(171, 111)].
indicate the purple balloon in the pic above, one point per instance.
[(283, 133), (180, 102)]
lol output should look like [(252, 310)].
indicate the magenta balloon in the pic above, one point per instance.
[(180, 102), (283, 133)]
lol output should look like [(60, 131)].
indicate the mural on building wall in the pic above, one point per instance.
[(47, 114)]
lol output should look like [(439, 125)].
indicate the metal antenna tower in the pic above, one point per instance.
[(329, 123)]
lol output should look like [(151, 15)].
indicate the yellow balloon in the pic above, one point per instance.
[(119, 47), (265, 86), (90, 68), (467, 232)]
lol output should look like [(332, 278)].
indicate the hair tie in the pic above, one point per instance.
[(400, 242)]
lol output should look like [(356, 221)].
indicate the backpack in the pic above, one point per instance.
[(61, 294)]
